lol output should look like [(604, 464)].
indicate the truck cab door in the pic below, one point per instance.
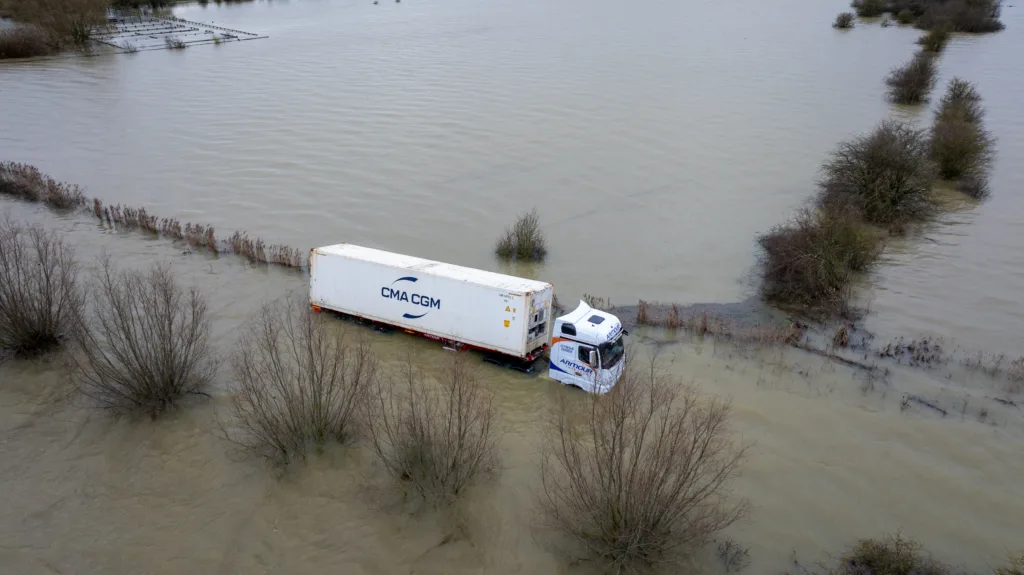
[(570, 364)]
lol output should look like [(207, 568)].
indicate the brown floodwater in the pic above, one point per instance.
[(656, 138)]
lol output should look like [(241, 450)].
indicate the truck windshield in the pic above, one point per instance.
[(611, 352)]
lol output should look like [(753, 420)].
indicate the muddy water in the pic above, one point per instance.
[(833, 457), (658, 139)]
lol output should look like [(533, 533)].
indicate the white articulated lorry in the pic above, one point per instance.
[(468, 308)]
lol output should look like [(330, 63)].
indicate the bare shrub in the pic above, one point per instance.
[(841, 338), (437, 437), (66, 21), (298, 384), (173, 43), (24, 42), (40, 298), (643, 315), (148, 344), (869, 8), (961, 102), (641, 473), (734, 557), (894, 555), (934, 40), (887, 175), (962, 15), (961, 149), (524, 240), (673, 321), (844, 20), (1014, 567), (960, 145), (912, 82), (812, 260)]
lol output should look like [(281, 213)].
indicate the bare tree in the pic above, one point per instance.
[(642, 472), (437, 436), (40, 298), (298, 384), (148, 345)]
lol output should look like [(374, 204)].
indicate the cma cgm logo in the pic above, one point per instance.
[(399, 294)]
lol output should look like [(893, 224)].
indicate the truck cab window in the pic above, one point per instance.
[(584, 354), (568, 329)]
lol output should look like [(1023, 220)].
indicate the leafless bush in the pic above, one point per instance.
[(812, 260), (174, 43), (65, 21), (961, 102), (977, 16), (24, 42), (148, 344), (436, 437), (960, 145), (298, 384), (934, 40), (961, 149), (1014, 567), (844, 20), (886, 175), (643, 315), (642, 472), (734, 557), (912, 82), (40, 298), (524, 240), (869, 8)]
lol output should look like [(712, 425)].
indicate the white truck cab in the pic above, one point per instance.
[(587, 349)]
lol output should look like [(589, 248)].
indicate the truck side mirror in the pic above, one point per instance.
[(593, 358)]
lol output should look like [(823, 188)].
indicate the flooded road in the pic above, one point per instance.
[(657, 139)]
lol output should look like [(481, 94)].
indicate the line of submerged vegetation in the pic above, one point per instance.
[(873, 185), (28, 183), (976, 16)]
